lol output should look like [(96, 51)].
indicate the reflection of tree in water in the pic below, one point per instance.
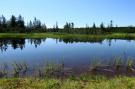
[(3, 45), (109, 42), (15, 43), (75, 40), (18, 43), (36, 42)]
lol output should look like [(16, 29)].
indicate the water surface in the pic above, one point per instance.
[(73, 53)]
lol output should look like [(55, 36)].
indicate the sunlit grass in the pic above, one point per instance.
[(94, 82), (65, 35)]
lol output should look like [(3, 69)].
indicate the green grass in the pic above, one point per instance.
[(90, 82), (64, 35)]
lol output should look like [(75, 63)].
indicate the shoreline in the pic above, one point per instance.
[(65, 35)]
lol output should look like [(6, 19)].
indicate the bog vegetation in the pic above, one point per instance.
[(51, 76)]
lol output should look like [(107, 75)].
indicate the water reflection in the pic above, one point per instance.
[(75, 40), (20, 43), (36, 42), (14, 43), (75, 52)]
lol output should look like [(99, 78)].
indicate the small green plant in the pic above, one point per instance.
[(117, 63), (37, 71), (25, 68), (51, 68), (72, 77), (17, 67), (129, 64), (4, 70), (95, 64)]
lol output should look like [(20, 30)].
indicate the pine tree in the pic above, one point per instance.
[(111, 24), (20, 22), (13, 21), (72, 25), (37, 23), (102, 25), (4, 24), (94, 25)]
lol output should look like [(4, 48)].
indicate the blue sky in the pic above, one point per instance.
[(81, 12)]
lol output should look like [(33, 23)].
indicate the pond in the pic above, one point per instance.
[(73, 53)]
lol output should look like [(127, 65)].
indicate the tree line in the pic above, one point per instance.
[(18, 25)]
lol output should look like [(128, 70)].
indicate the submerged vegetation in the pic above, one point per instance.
[(52, 76), (59, 70), (115, 74), (22, 69)]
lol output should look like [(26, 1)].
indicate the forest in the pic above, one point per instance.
[(18, 25)]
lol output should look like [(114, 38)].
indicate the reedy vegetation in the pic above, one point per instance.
[(54, 69), (116, 63), (44, 77), (22, 69)]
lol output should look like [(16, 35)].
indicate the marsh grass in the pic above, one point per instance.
[(57, 69), (53, 68), (17, 68), (95, 63), (87, 77), (82, 37), (4, 70), (93, 82), (46, 79), (130, 64), (117, 63), (48, 69), (116, 66)]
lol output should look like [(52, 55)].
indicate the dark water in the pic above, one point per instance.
[(74, 53)]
